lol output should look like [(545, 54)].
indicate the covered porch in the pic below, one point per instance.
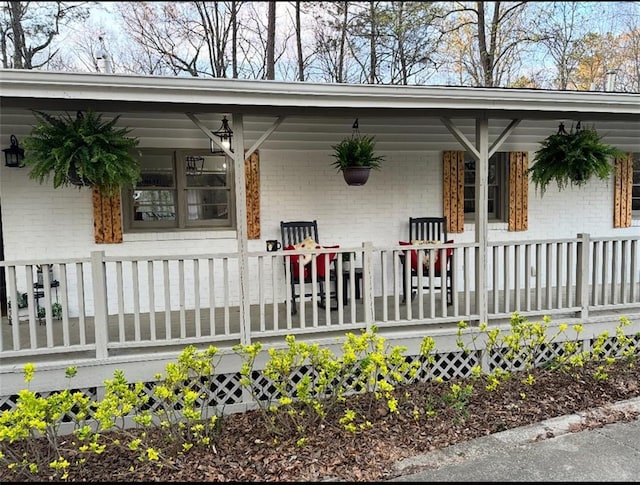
[(134, 304)]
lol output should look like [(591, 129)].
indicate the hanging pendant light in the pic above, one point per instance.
[(225, 134)]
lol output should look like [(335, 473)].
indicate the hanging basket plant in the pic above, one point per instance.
[(572, 158), (81, 150), (355, 157)]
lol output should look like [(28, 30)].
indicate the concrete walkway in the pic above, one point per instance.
[(542, 452)]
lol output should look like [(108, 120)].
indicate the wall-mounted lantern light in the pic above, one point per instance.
[(13, 155)]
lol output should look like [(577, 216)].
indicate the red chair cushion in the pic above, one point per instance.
[(325, 257), (293, 260), (320, 262), (449, 252), (414, 256)]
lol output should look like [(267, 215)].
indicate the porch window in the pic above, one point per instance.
[(635, 189), (181, 189), (497, 182)]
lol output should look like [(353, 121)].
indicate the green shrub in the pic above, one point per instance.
[(309, 383)]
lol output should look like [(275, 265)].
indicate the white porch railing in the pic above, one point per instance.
[(113, 306)]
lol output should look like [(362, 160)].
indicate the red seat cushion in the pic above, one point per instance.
[(295, 267), (325, 257), (414, 256), (449, 252), (320, 262)]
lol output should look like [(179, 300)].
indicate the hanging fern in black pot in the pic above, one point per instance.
[(84, 150), (572, 158), (355, 157)]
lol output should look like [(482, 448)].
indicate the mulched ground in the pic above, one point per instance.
[(245, 451)]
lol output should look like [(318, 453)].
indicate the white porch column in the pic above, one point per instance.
[(367, 284), (241, 225), (482, 215), (100, 317)]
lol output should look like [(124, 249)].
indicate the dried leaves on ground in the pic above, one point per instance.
[(427, 419)]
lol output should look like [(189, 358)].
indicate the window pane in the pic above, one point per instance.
[(491, 195), (469, 199), (157, 171), (491, 176), (469, 172), (206, 171), (207, 180), (469, 207), (154, 205), (207, 204)]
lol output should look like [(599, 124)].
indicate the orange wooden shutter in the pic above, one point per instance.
[(453, 190), (622, 191), (107, 221), (252, 191), (518, 191)]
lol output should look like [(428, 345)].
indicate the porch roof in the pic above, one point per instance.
[(116, 92)]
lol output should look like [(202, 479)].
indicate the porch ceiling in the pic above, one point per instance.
[(169, 129), (126, 93)]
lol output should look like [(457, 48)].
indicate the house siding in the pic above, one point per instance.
[(41, 222), (299, 185)]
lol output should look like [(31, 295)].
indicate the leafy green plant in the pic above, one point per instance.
[(56, 310), (81, 150), (39, 418), (356, 151), (23, 301), (572, 158), (458, 398), (182, 409), (346, 257)]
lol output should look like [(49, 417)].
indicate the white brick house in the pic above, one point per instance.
[(292, 126)]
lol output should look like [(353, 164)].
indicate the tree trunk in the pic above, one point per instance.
[(271, 41), (234, 37), (343, 42), (372, 43), (299, 43)]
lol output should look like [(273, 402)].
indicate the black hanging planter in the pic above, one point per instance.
[(75, 178), (355, 157), (356, 175)]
